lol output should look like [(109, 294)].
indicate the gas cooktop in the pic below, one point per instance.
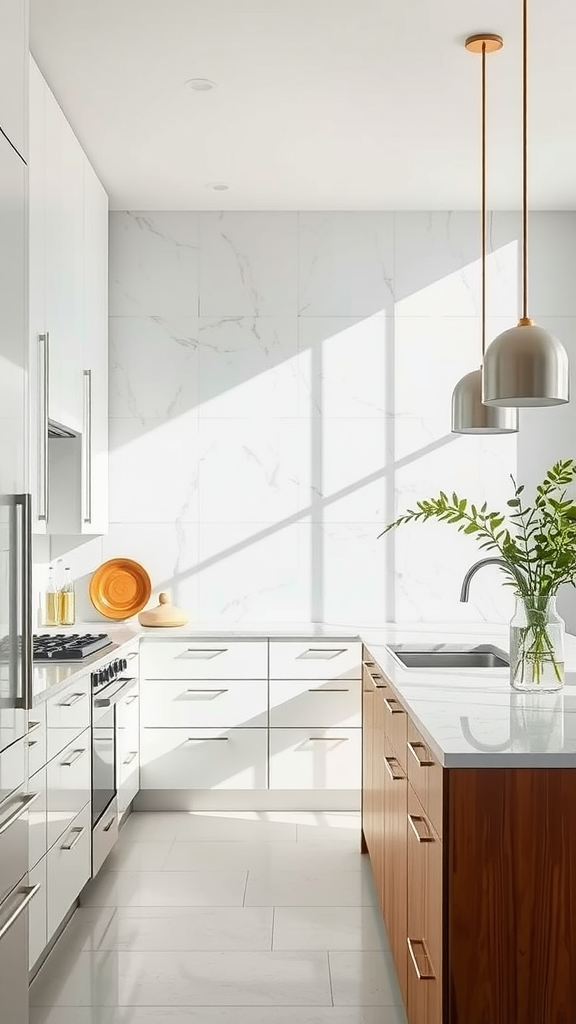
[(68, 647)]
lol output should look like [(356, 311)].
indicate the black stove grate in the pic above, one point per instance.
[(68, 647)]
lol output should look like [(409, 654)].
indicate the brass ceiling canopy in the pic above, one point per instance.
[(485, 42)]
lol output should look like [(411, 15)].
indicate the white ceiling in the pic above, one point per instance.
[(321, 104)]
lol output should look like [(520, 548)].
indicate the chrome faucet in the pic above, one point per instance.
[(472, 572)]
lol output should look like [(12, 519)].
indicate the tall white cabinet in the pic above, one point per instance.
[(13, 55), (68, 254)]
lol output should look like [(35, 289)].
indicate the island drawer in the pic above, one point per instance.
[(426, 776)]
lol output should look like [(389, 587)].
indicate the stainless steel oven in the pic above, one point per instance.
[(104, 766)]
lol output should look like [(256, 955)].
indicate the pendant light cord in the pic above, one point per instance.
[(483, 201), (525, 161)]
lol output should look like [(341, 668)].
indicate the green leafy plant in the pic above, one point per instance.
[(537, 543)]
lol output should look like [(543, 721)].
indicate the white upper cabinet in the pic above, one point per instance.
[(13, 55)]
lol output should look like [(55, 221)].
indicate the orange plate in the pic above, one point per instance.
[(120, 588)]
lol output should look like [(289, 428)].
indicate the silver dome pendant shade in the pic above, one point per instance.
[(526, 365), (469, 414)]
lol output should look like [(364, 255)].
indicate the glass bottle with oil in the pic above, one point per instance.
[(51, 600), (67, 601)]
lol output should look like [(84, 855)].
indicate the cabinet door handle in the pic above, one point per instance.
[(205, 653), (133, 654), (25, 802), (423, 835), (25, 894), (87, 446), (328, 739), (77, 832), (208, 739), (423, 762), (423, 975), (109, 825), (394, 769), (74, 756), (393, 706), (369, 664), (73, 699), (321, 653), (130, 757), (43, 415), (33, 726), (328, 689), (32, 743), (192, 690), (130, 700)]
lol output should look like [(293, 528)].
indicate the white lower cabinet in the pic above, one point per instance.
[(69, 784), (128, 750), (307, 703), (195, 758), (37, 834), (206, 703), (68, 868), (37, 913), (315, 758)]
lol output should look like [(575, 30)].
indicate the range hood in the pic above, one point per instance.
[(55, 430)]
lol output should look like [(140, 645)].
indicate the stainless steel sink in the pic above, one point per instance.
[(450, 656)]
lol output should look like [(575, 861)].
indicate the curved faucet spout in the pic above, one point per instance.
[(464, 593)]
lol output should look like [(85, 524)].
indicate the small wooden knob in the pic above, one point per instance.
[(164, 598)]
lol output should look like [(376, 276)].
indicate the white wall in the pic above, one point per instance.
[(280, 388)]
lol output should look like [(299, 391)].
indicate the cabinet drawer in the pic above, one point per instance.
[(315, 659), (129, 781), (295, 702), (68, 868), (204, 703), (69, 785), (14, 838), (426, 776), (395, 725), (12, 768), (315, 758), (67, 715), (37, 739), (424, 917), (209, 659), (37, 834), (37, 929), (203, 759)]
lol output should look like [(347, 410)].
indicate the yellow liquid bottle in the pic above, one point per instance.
[(67, 602), (51, 601)]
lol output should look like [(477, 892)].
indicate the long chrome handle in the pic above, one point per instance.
[(23, 585), (393, 706), (369, 664), (25, 894), (206, 653), (118, 695), (26, 801), (394, 769), (209, 739), (423, 762), (131, 698), (72, 700), (87, 446), (422, 975), (414, 820), (77, 832), (130, 758), (330, 739), (326, 689), (33, 726), (109, 825), (322, 653), (192, 690), (43, 417), (74, 756)]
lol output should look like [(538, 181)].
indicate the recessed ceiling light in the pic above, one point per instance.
[(218, 186), (200, 84)]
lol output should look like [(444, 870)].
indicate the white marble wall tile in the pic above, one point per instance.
[(252, 470), (348, 573), (154, 264), (254, 571), (154, 470), (431, 355), (248, 264), (153, 366), (248, 366), (552, 264), (345, 366), (345, 264), (347, 470), (168, 552)]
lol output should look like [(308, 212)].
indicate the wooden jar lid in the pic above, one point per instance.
[(165, 614)]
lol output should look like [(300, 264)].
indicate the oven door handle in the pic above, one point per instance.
[(117, 696)]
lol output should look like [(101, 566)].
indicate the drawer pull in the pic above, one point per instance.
[(328, 739), (130, 757), (208, 739), (130, 700), (393, 706), (423, 975), (109, 825), (25, 802), (415, 820), (369, 664), (321, 653), (73, 699), (394, 769), (326, 689), (205, 653), (133, 654), (33, 743), (74, 756), (197, 690), (25, 894), (33, 726), (423, 762), (77, 832)]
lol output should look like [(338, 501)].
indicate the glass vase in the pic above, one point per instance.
[(536, 645)]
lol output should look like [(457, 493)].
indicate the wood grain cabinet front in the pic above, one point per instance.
[(395, 858), (424, 917)]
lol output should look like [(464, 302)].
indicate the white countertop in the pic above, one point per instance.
[(470, 718)]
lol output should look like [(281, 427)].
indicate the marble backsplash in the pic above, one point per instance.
[(280, 388)]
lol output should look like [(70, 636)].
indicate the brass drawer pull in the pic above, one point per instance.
[(414, 820), (394, 769), (426, 974), (423, 762), (393, 706)]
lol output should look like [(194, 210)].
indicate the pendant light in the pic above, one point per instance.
[(526, 365), (469, 415)]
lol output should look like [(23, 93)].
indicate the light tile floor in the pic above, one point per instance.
[(229, 918)]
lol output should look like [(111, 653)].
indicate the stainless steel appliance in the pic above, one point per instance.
[(109, 686)]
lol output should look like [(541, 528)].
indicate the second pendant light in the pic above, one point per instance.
[(469, 414)]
